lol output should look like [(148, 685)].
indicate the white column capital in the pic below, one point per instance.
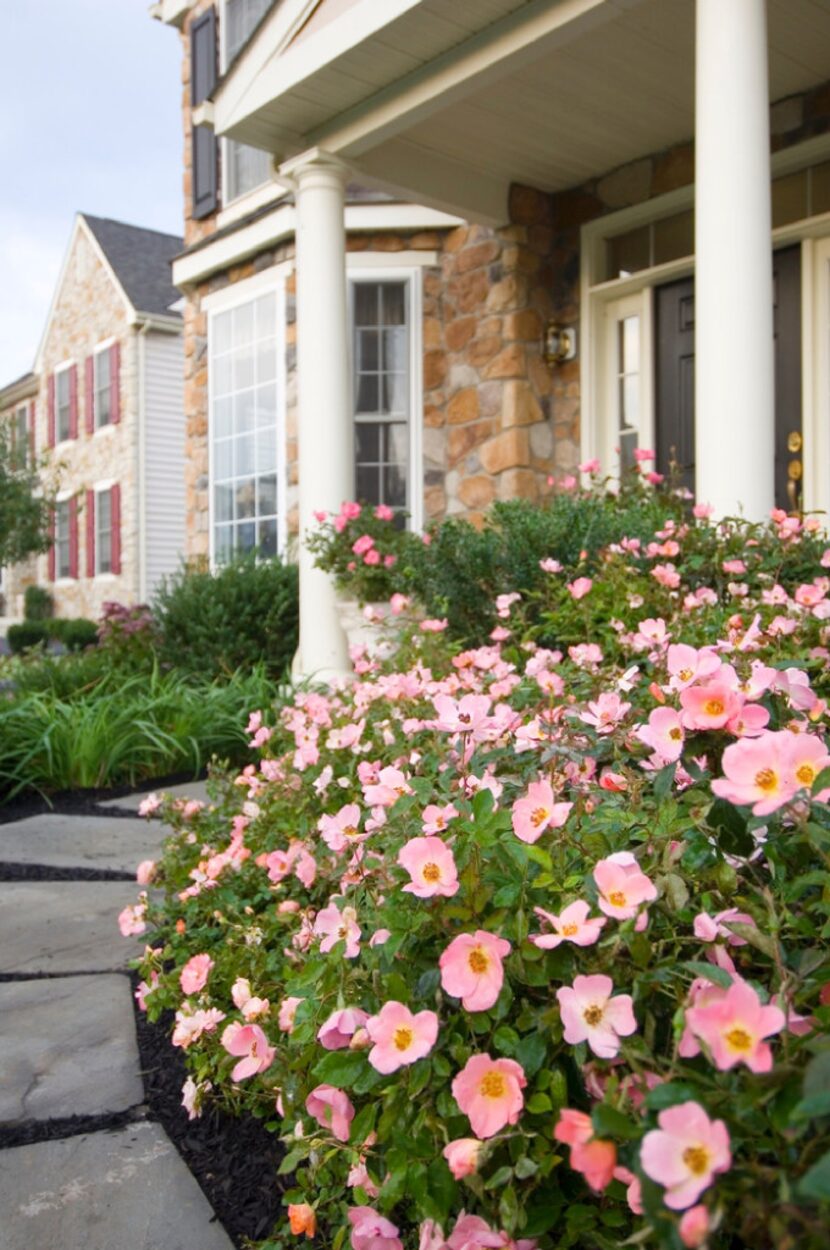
[(314, 166)]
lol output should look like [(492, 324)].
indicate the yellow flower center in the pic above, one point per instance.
[(676, 734), (568, 930), (431, 872), (713, 707), (766, 779), (696, 1159), (538, 816), (592, 1015), (739, 1039), (806, 774), (440, 823), (685, 674), (477, 960), (350, 832), (616, 898), (403, 1038), (493, 1085)]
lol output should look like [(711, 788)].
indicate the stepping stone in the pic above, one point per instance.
[(187, 790), (115, 843), (105, 1191), (68, 1048), (65, 926)]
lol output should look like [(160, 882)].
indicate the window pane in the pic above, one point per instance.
[(394, 349), (267, 450), (394, 487), (367, 440), (223, 503), (820, 189), (368, 484), (630, 402), (223, 543), (628, 253), (244, 411), (368, 351), (366, 304), (246, 499), (266, 361), (789, 198), (221, 333), (266, 317), (267, 500), (246, 536), (268, 538), (244, 457), (265, 406), (630, 345), (393, 303), (222, 417), (394, 394), (243, 325), (243, 366), (223, 460), (222, 371), (367, 393), (396, 440), (248, 168), (674, 237)]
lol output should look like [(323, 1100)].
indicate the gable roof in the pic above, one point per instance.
[(141, 262)]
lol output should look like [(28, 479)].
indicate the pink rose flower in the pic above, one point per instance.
[(538, 811), (287, 1012), (371, 1231), (332, 1109), (249, 1042), (710, 928), (194, 974), (595, 1158), (400, 1037), (734, 1027), (572, 925), (145, 871), (685, 1153), (337, 1032), (663, 733), (694, 1227), (131, 920), (335, 926), (435, 819), (431, 866), (462, 1156), (580, 587), (591, 1015), (489, 1092), (471, 969), (623, 887)]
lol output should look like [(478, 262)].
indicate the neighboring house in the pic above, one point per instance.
[(562, 135), (17, 407), (105, 408)]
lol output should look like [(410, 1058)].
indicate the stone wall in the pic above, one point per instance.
[(89, 309), (193, 230)]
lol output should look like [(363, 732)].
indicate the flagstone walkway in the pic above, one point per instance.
[(68, 1053)]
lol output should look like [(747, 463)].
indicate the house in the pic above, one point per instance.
[(103, 410), (634, 253), (17, 415)]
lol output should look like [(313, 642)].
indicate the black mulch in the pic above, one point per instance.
[(82, 802), (234, 1161), (32, 1131), (45, 872)]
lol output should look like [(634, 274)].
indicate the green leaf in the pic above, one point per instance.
[(531, 1052), (499, 1178), (289, 1163), (509, 1209), (340, 1068), (822, 781), (441, 1192), (505, 1040), (731, 828), (664, 780), (675, 890), (609, 1122), (711, 972), (754, 936), (537, 1104), (816, 1182), (669, 1095), (525, 1167)]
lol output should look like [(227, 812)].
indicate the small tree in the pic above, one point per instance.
[(25, 503)]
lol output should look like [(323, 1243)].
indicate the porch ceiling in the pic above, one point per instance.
[(455, 99)]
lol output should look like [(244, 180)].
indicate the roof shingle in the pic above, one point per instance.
[(141, 262)]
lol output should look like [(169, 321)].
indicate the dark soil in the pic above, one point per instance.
[(32, 1131), (234, 1161), (83, 802), (43, 872)]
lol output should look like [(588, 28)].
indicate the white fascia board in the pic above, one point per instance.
[(519, 38), (171, 12), (262, 75), (280, 225)]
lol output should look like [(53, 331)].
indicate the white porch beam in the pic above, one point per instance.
[(443, 184), (734, 362), (325, 452)]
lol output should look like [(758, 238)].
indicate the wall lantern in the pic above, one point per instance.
[(558, 344)]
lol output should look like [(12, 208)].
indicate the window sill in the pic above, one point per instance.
[(102, 429), (106, 577), (265, 193)]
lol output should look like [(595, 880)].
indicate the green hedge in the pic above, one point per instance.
[(74, 633)]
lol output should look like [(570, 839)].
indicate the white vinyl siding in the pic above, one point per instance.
[(164, 458)]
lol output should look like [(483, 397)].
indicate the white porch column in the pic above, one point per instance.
[(324, 427), (734, 385)]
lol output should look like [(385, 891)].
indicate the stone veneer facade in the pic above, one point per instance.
[(497, 421)]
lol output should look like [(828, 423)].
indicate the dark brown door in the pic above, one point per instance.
[(675, 382)]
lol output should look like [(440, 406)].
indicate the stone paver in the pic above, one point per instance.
[(187, 790), (68, 1048), (64, 926), (105, 1191), (110, 842)]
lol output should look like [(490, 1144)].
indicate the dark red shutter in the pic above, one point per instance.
[(115, 383), (73, 536), (89, 400), (90, 533), (32, 447), (52, 535), (205, 151), (73, 401), (50, 402), (115, 522)]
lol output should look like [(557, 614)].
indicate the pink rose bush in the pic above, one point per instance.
[(527, 943)]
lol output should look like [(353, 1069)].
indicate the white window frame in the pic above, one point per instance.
[(596, 293), (99, 489), (100, 349), (385, 271), (63, 368), (65, 579), (270, 281), (263, 192)]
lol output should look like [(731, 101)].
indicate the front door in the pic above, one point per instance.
[(674, 381)]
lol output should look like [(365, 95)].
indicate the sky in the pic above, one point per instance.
[(90, 121)]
